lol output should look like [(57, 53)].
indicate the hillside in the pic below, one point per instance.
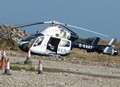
[(9, 36)]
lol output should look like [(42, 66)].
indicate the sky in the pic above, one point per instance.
[(97, 15)]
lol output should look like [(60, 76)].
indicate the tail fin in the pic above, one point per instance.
[(112, 41), (109, 49)]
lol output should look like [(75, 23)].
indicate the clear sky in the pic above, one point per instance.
[(98, 15)]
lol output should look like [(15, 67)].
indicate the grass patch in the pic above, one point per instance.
[(27, 67), (94, 57)]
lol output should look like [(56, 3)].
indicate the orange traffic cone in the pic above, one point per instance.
[(2, 63), (7, 67), (40, 67)]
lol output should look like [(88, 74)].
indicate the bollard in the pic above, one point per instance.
[(7, 68), (0, 54), (40, 67), (28, 61)]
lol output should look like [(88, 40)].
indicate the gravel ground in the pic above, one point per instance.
[(68, 75), (31, 79)]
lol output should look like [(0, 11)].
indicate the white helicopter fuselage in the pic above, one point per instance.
[(46, 45), (54, 41)]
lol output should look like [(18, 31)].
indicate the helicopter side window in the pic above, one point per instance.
[(39, 41), (65, 43)]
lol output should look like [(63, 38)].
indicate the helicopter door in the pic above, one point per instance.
[(64, 47), (53, 44)]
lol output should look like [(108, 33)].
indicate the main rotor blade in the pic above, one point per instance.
[(63, 24), (28, 25), (84, 29), (37, 23)]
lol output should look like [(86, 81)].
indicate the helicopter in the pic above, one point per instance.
[(59, 39)]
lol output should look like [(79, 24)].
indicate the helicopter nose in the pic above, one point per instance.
[(24, 47)]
